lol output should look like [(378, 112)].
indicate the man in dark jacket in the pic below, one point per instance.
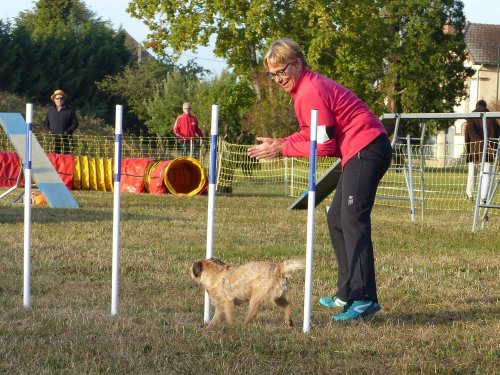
[(474, 141), (60, 121)]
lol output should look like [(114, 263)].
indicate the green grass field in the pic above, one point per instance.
[(438, 286)]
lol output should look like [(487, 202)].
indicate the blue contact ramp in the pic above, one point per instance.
[(43, 172)]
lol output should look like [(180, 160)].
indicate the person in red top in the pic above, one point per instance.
[(186, 129), (349, 130)]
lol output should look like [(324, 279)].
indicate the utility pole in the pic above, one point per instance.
[(498, 74)]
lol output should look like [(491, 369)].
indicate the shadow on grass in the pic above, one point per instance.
[(444, 317), (478, 313), (14, 215)]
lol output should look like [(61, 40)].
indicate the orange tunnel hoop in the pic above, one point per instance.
[(185, 176)]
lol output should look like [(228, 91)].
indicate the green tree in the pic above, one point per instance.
[(234, 97), (424, 65), (142, 87), (135, 84), (61, 44), (165, 103), (242, 28), (9, 75), (390, 52)]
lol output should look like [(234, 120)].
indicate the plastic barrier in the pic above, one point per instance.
[(10, 165), (185, 177)]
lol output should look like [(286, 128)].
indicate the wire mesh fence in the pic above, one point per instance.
[(436, 174)]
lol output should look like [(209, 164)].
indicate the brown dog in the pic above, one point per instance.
[(256, 282)]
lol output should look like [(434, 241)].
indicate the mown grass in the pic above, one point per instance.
[(438, 285)]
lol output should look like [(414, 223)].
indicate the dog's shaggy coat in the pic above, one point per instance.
[(255, 282)]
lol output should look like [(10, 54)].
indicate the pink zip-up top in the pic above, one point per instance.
[(353, 125)]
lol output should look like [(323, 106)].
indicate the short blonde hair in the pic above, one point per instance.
[(283, 51)]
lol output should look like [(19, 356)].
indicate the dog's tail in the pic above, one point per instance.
[(289, 266)]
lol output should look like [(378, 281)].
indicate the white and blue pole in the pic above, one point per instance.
[(115, 272), (211, 197), (27, 208), (311, 205)]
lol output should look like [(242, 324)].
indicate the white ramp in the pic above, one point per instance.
[(43, 172)]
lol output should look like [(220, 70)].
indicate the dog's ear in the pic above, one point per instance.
[(197, 268)]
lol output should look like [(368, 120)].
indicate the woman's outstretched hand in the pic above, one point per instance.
[(268, 148)]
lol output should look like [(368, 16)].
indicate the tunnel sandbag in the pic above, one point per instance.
[(10, 166), (155, 176), (108, 174), (101, 186), (64, 164), (77, 175), (185, 176), (85, 174), (132, 175), (93, 174)]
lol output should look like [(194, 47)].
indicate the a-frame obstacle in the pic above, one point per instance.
[(43, 172)]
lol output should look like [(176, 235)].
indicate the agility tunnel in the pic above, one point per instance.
[(185, 176), (10, 166), (182, 176), (154, 177)]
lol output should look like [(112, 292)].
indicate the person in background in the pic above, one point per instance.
[(349, 130), (60, 122), (186, 130), (474, 141)]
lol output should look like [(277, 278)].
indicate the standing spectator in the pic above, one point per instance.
[(61, 122), (186, 130), (474, 141), (353, 133)]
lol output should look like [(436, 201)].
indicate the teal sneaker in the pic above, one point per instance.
[(357, 309), (332, 302)]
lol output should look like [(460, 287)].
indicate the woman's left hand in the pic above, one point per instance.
[(269, 148)]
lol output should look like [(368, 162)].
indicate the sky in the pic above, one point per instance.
[(477, 11)]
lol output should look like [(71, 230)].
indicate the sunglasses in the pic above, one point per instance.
[(59, 98), (281, 73)]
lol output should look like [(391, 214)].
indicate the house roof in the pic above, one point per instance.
[(483, 43), (136, 48)]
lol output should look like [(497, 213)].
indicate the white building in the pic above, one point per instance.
[(483, 55)]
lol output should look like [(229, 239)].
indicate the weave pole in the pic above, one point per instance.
[(211, 197), (115, 272), (27, 208), (311, 204)]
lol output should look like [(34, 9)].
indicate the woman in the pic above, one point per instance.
[(355, 135)]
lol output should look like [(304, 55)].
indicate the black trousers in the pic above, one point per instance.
[(62, 143), (349, 220)]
